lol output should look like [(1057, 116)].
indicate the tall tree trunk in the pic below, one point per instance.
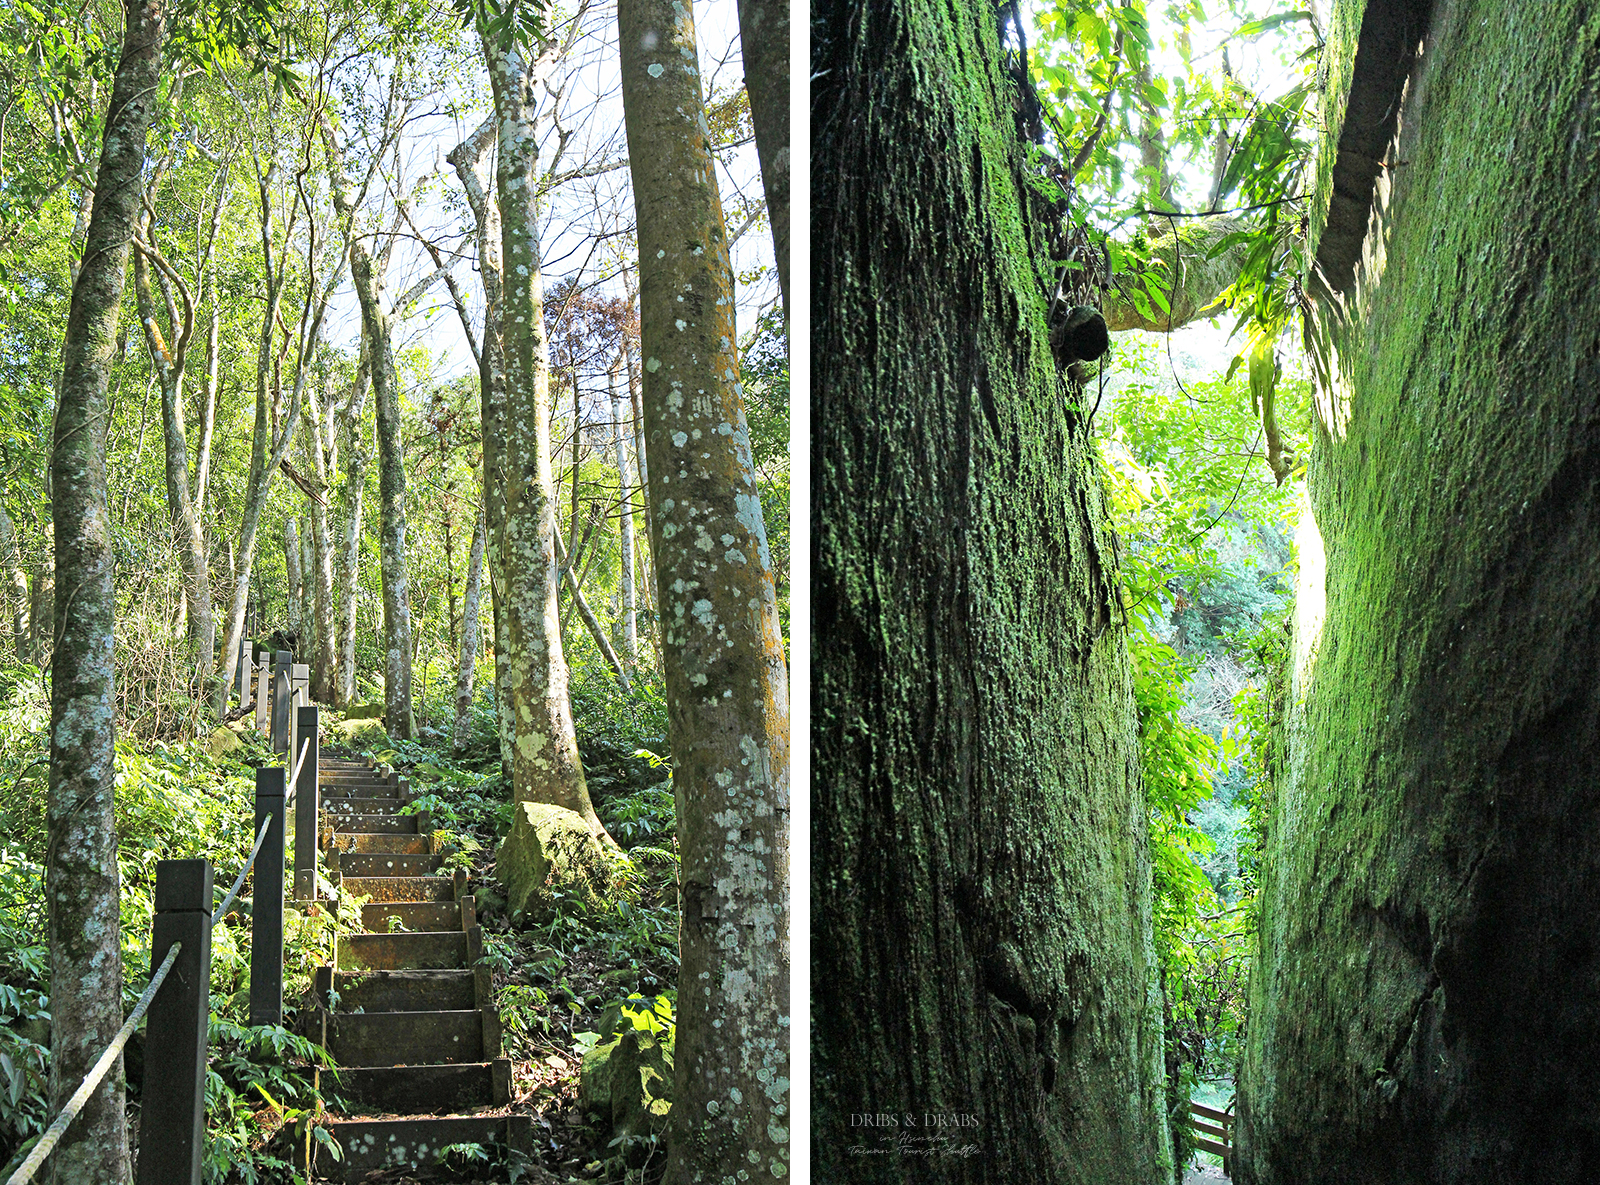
[(981, 887), (466, 667), (764, 40), (647, 563), (468, 159), (349, 553), (291, 563), (82, 887), (320, 443), (16, 587), (630, 603), (1423, 1003), (167, 361), (726, 682), (378, 334), (544, 763), (43, 616)]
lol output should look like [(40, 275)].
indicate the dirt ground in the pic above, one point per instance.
[(1205, 1176)]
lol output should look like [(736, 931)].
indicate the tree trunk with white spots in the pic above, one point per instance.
[(291, 563), (466, 668), (727, 684), (320, 444), (16, 586), (81, 883), (544, 765), (764, 42), (630, 600), (347, 562)]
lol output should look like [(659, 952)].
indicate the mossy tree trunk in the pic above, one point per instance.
[(727, 684), (1424, 1007), (545, 766), (81, 881), (982, 968)]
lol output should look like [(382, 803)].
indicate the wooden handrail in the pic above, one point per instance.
[(1222, 1126)]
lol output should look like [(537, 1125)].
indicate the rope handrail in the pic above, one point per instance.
[(91, 1080), (294, 778), (222, 910)]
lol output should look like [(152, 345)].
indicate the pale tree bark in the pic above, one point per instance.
[(647, 582), (16, 586), (466, 666), (43, 593), (349, 541), (630, 603), (321, 446), (378, 334), (82, 887), (468, 160), (727, 683), (169, 364), (544, 763), (308, 598), (291, 563), (764, 40)]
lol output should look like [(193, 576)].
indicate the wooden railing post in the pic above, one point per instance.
[(263, 696), (306, 808), (246, 672), (266, 913), (281, 661), (172, 1122)]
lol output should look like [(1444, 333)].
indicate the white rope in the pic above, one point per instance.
[(216, 918), (305, 750), (91, 1081)]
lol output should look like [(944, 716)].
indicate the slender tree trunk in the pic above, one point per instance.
[(349, 555), (167, 362), (291, 562), (468, 160), (319, 439), (764, 40), (545, 766), (466, 667), (16, 586), (82, 887), (43, 617), (308, 594), (647, 561), (727, 684), (596, 630), (981, 888), (630, 604), (378, 334)]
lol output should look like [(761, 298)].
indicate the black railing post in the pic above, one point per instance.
[(172, 1123), (266, 914), (305, 808), (281, 692)]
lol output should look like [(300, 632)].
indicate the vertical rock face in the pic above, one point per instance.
[(983, 1001), (1424, 1007)]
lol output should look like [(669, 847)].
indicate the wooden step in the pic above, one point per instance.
[(370, 864), (413, 915), (400, 824), (370, 1144), (420, 1090), (360, 804), (389, 842), (402, 888), (397, 952), (427, 990), (412, 1038)]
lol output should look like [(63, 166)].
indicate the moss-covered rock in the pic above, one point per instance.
[(222, 742), (626, 1080), (550, 851), (359, 733), (364, 712)]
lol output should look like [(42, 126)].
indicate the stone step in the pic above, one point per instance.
[(387, 795), (370, 864), (429, 990), (412, 1038), (389, 842), (404, 888), (335, 778), (400, 824), (420, 1090), (398, 952), (413, 915), (370, 1144), (341, 807)]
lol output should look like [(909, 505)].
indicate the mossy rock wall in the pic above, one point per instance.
[(1425, 1003), (983, 984)]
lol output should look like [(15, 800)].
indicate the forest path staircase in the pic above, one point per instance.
[(406, 1011)]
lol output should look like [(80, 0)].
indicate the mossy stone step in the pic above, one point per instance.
[(398, 952), (370, 1144), (413, 915), (370, 864), (358, 794), (401, 824), (424, 990), (424, 1090), (402, 888), (412, 1038), (382, 841)]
